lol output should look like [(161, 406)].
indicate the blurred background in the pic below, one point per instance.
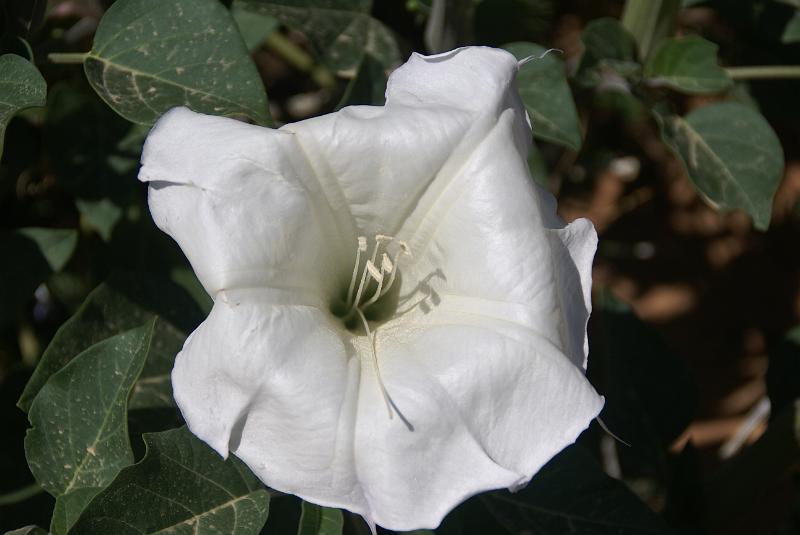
[(692, 338)]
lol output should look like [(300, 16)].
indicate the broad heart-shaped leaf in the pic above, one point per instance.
[(152, 55), (607, 46), (570, 495), (181, 486), (341, 31), (79, 439), (542, 85), (688, 64), (21, 86), (318, 520), (30, 256), (123, 302), (731, 154)]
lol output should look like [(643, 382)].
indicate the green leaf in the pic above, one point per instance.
[(152, 55), (55, 245), (181, 486), (33, 253), (342, 33), (27, 530), (650, 21), (99, 171), (572, 494), (367, 87), (607, 47), (79, 439), (118, 305), (21, 86), (688, 64), (650, 395), (542, 85), (254, 27), (791, 32), (731, 155), (318, 520)]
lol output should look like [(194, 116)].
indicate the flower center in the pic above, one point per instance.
[(370, 297)]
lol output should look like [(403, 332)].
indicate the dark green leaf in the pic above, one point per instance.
[(33, 253), (99, 171), (118, 305), (181, 486), (542, 84), (318, 520), (152, 55), (649, 393), (79, 439), (688, 64), (731, 154), (572, 494), (21, 86), (341, 32), (791, 32), (368, 86), (608, 47)]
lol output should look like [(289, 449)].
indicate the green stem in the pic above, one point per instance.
[(20, 495), (67, 57), (764, 72), (299, 59)]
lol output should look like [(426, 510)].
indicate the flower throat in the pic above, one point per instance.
[(369, 295)]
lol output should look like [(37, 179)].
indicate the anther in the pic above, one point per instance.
[(386, 264), (376, 274)]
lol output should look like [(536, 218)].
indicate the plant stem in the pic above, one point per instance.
[(764, 72), (20, 495), (67, 57)]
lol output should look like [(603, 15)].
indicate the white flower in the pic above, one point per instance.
[(399, 316)]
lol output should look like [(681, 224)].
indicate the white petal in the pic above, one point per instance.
[(243, 205), (480, 242), (379, 161), (489, 403), (274, 385)]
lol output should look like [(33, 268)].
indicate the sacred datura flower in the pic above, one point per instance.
[(399, 316)]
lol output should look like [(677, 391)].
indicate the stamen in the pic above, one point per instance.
[(372, 270), (377, 275), (385, 262), (404, 249), (371, 338), (362, 247)]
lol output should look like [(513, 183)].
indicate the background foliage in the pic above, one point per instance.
[(672, 124)]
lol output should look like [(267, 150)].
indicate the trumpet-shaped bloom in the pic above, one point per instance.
[(399, 316)]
